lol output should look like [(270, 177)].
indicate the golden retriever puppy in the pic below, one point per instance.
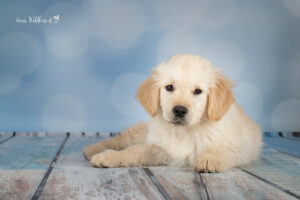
[(195, 121)]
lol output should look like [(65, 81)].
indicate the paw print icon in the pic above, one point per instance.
[(56, 19)]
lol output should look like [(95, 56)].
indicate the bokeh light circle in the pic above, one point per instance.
[(250, 98), (123, 94), (227, 56), (286, 115), (64, 112)]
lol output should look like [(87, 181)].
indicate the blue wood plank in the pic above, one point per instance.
[(287, 145), (29, 152)]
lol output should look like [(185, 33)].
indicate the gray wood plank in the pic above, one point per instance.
[(180, 183), (23, 163), (235, 184), (19, 184), (74, 178), (278, 168)]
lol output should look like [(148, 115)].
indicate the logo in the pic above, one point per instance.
[(38, 20)]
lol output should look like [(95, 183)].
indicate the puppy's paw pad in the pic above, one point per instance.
[(109, 158), (208, 164)]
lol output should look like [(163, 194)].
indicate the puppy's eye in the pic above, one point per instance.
[(197, 91), (169, 88)]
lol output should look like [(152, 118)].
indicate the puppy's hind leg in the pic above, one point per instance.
[(134, 135)]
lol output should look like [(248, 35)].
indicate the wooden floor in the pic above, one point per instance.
[(51, 166)]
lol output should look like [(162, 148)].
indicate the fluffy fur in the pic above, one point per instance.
[(215, 134)]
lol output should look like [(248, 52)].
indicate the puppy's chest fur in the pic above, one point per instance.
[(182, 146)]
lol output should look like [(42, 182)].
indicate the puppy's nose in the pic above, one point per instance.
[(180, 111)]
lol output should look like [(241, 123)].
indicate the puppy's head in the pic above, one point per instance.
[(185, 90)]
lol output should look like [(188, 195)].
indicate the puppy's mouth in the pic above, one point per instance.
[(178, 122)]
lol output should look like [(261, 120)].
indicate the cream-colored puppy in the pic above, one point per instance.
[(195, 122)]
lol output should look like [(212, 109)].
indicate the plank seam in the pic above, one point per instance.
[(157, 184), (13, 135), (42, 184), (271, 183), (203, 184)]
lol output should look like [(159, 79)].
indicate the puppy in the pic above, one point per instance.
[(195, 121)]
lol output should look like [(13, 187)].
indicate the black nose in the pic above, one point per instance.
[(180, 111)]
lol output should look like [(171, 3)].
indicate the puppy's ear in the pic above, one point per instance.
[(148, 95), (220, 98)]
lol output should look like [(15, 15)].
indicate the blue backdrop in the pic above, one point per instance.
[(76, 65)]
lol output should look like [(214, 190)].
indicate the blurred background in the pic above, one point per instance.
[(76, 65)]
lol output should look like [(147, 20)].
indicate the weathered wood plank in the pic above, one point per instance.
[(23, 163), (19, 184), (157, 184), (235, 184), (278, 168), (287, 145), (180, 183), (74, 178)]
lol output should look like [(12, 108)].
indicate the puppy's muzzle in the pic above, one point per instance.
[(180, 111)]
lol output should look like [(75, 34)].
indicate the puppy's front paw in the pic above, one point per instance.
[(208, 163), (108, 158)]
